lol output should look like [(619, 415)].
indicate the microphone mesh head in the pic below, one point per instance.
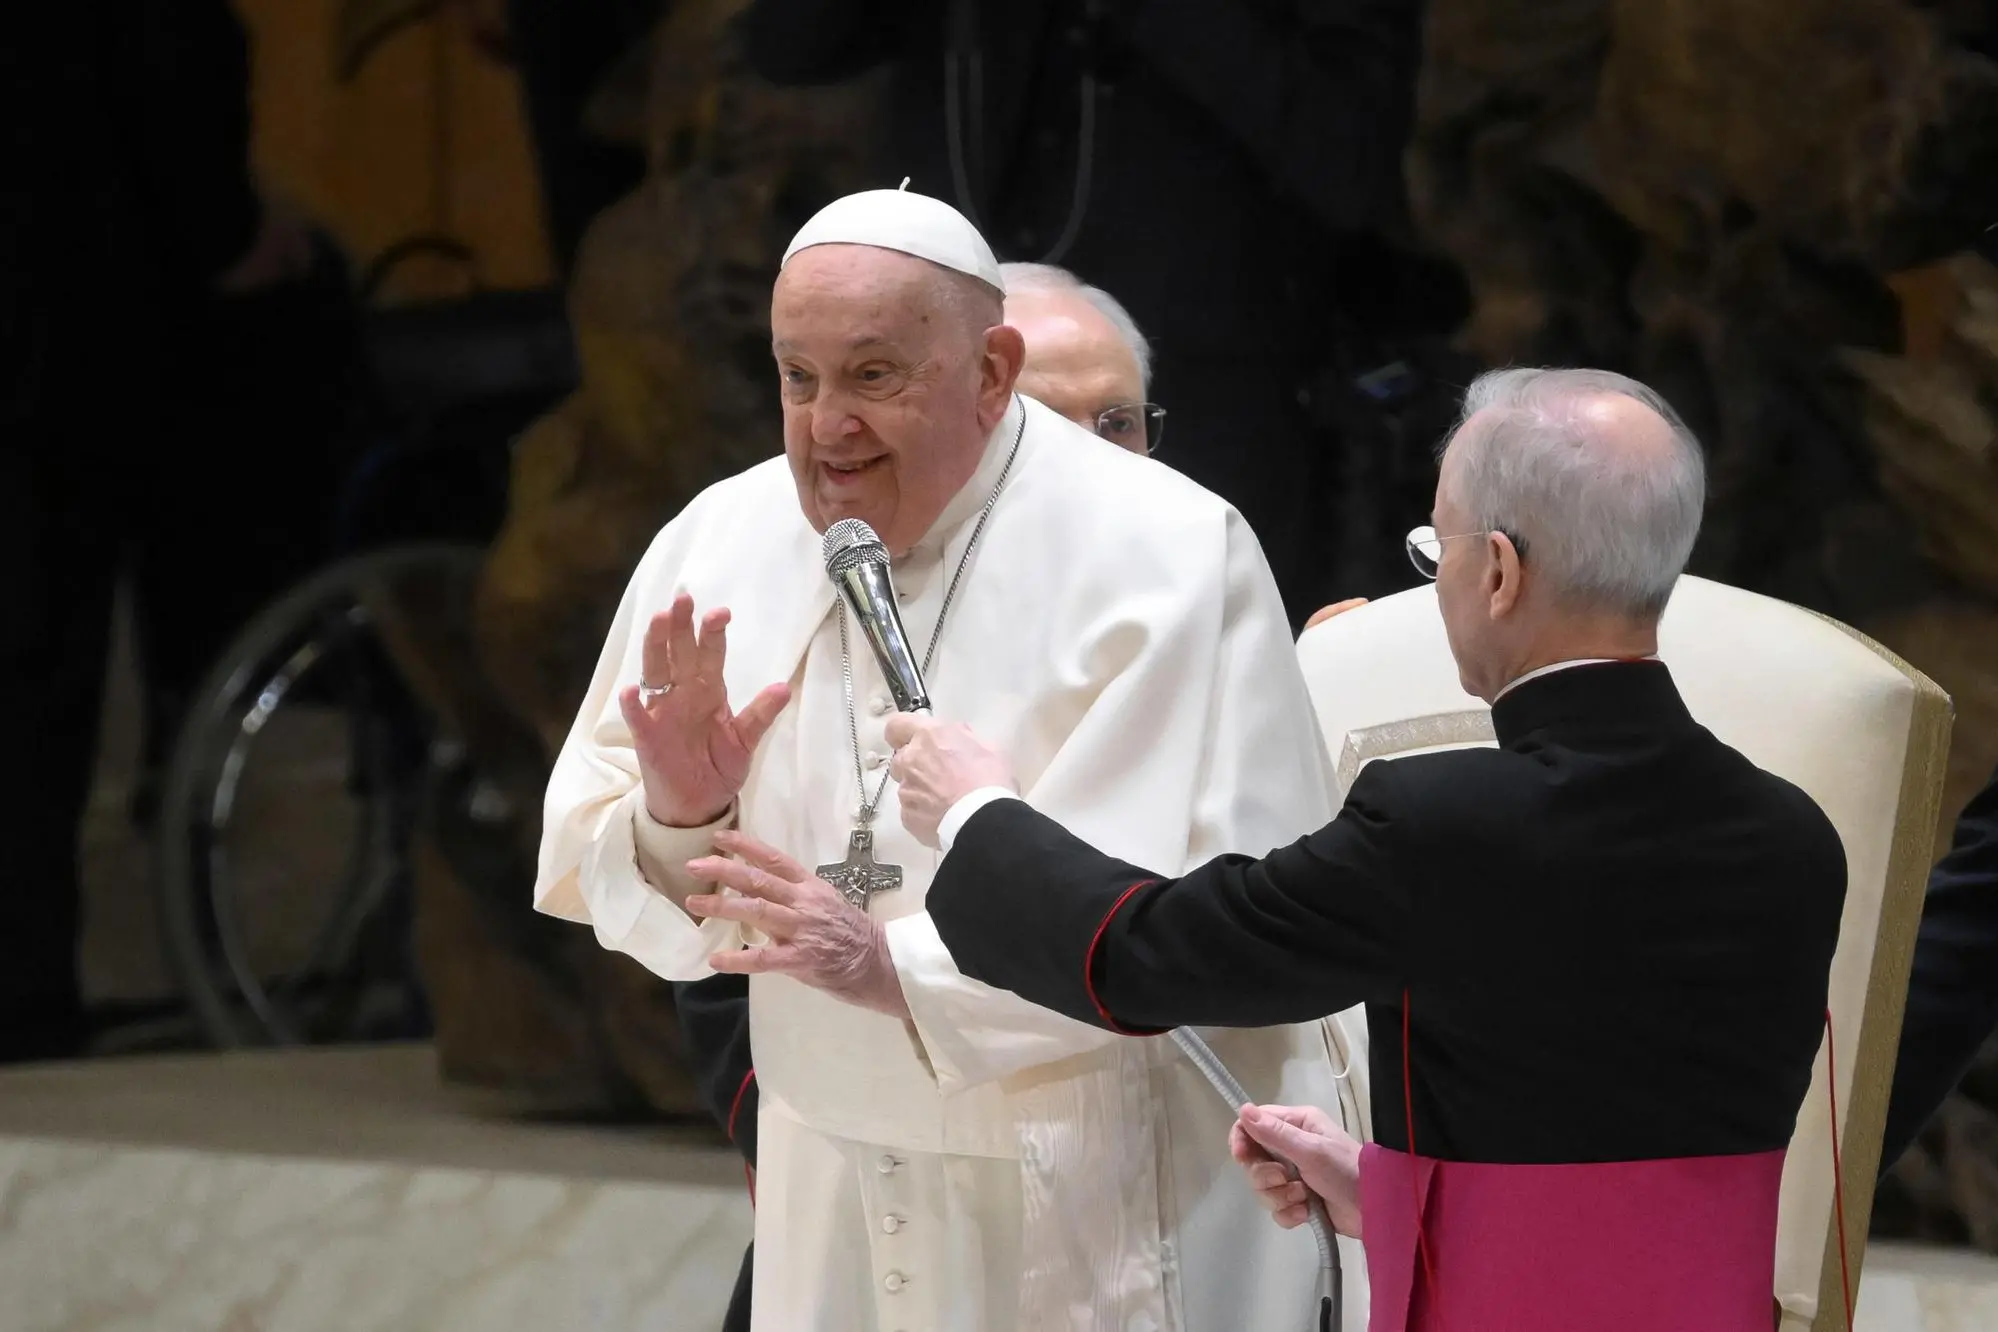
[(851, 542)]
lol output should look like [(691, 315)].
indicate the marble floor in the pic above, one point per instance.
[(1907, 1288), (349, 1190), (345, 1191)]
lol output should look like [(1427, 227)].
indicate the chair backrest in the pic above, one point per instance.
[(1802, 696)]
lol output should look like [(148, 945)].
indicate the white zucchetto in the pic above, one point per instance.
[(911, 223)]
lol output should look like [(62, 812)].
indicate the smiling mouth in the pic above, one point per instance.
[(846, 471)]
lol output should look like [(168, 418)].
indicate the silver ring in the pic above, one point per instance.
[(647, 694)]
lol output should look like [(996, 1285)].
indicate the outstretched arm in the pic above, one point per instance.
[(1313, 928)]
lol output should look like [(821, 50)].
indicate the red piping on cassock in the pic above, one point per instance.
[(734, 1110), (1089, 963)]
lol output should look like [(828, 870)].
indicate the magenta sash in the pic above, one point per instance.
[(1638, 1246)]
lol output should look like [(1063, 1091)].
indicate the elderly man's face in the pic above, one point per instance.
[(1077, 362), (889, 387)]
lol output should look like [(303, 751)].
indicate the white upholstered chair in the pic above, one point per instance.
[(1802, 696)]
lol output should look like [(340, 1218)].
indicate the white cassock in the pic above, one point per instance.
[(988, 1166)]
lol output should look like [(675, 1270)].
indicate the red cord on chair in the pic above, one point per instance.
[(1838, 1168), (1415, 1168)]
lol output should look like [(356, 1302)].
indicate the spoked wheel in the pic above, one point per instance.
[(291, 800)]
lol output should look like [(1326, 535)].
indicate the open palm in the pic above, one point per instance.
[(693, 752)]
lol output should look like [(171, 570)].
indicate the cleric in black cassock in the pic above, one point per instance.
[(1604, 943), (1616, 930)]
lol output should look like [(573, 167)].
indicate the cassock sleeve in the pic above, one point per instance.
[(1208, 731), (596, 838), (1312, 928)]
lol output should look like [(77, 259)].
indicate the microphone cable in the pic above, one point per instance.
[(1331, 1278)]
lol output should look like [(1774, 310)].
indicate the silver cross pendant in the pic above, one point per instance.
[(860, 876)]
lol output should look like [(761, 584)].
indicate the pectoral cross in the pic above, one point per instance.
[(860, 876)]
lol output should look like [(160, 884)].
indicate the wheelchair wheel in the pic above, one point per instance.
[(290, 801)]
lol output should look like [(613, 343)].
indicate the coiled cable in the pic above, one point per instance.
[(1331, 1312)]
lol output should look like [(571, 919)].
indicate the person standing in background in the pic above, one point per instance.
[(171, 355), (1086, 357)]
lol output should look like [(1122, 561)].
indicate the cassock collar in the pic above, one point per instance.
[(914, 569), (1554, 666), (1595, 696)]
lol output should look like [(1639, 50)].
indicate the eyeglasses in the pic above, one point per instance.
[(1425, 548), (1133, 425)]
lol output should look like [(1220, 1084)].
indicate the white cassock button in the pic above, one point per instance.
[(886, 1165), (890, 1224), (894, 1282), (879, 705), (875, 758)]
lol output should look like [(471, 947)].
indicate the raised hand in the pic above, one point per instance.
[(693, 752), (1270, 1139)]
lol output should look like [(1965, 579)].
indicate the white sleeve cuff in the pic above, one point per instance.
[(968, 1032), (663, 851), (629, 896), (960, 814)]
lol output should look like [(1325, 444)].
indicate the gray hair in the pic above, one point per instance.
[(1610, 526), (1046, 277)]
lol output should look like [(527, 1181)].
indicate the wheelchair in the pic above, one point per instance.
[(303, 762)]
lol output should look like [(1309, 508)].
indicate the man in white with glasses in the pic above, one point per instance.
[(1086, 356)]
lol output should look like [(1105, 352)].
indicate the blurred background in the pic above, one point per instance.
[(354, 349)]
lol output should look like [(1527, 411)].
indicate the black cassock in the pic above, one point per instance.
[(1609, 938)]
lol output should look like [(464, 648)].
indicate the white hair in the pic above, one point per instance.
[(1611, 526), (1046, 277)]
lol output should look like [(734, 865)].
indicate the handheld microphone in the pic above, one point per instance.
[(857, 563)]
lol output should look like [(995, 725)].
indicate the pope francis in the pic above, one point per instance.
[(937, 1155)]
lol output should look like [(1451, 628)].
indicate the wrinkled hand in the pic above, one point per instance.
[(1324, 613), (693, 753), (1326, 1157), (936, 765), (816, 935)]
